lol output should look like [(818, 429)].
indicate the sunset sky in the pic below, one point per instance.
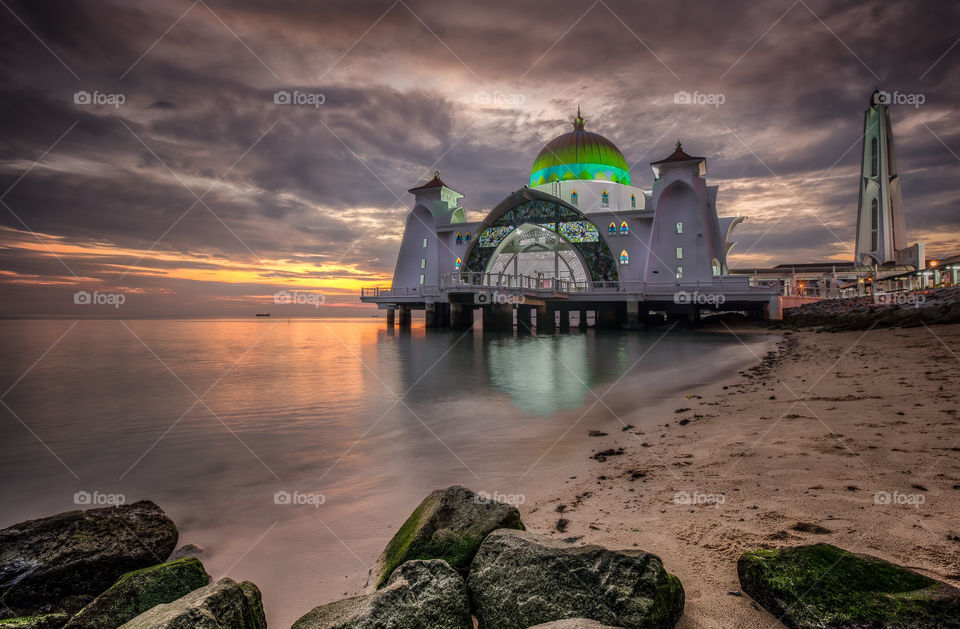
[(190, 192)]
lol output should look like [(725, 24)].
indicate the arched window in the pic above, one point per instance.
[(457, 264), (874, 223), (874, 157), (624, 257), (612, 229), (624, 228), (467, 237), (633, 201), (459, 238), (604, 199), (574, 198)]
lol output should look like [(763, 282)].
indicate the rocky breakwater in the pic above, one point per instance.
[(460, 555), (106, 568), (907, 309)]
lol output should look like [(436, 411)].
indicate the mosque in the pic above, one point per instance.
[(580, 241)]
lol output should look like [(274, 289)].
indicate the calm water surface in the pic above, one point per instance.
[(211, 418)]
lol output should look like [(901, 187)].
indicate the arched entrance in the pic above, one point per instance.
[(535, 251)]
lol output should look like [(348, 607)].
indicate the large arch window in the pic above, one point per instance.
[(874, 223), (874, 157)]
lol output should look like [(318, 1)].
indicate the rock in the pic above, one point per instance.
[(426, 593), (79, 553), (573, 623), (139, 591), (519, 579), (225, 604), (821, 585), (449, 524), (188, 550), (44, 621)]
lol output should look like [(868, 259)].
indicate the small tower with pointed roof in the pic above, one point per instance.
[(441, 200)]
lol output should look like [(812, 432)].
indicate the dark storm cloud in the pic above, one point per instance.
[(402, 90)]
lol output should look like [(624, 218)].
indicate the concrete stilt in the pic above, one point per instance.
[(403, 315), (524, 318), (583, 319), (390, 317), (633, 315), (565, 320), (545, 319), (430, 316), (461, 316)]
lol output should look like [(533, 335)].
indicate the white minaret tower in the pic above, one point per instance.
[(881, 231)]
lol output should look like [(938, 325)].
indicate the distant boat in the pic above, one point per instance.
[(263, 314)]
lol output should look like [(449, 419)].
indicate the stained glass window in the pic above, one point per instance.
[(457, 264), (612, 229), (574, 198), (624, 228), (633, 201), (604, 199), (467, 237), (679, 272), (579, 231), (459, 238), (624, 257), (492, 236)]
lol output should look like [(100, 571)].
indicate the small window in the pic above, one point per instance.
[(612, 229), (624, 228), (421, 278), (679, 272), (574, 198), (459, 238), (679, 227), (604, 199), (458, 264), (633, 201), (467, 237), (679, 253), (874, 157), (423, 263), (424, 243), (624, 257), (874, 223)]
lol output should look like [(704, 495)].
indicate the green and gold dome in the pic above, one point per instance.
[(579, 154)]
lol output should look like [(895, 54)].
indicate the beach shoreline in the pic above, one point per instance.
[(868, 452)]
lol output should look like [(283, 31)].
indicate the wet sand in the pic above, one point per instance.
[(854, 432)]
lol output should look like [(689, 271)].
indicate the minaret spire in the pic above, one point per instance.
[(579, 121)]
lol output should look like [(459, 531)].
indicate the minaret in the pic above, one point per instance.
[(881, 231)]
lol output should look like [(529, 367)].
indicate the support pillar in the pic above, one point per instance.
[(611, 315), (461, 316), (583, 319), (430, 316), (403, 316), (524, 325), (633, 315), (498, 318), (565, 320), (390, 317), (545, 320)]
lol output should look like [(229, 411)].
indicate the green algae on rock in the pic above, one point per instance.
[(820, 585)]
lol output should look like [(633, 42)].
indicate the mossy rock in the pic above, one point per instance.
[(225, 604), (136, 592), (820, 586), (450, 524), (44, 621)]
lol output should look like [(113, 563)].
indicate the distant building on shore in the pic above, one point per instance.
[(581, 239)]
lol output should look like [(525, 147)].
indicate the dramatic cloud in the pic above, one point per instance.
[(185, 186)]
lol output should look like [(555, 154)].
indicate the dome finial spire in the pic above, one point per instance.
[(579, 121), (679, 146)]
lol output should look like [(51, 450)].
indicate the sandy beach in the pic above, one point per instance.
[(848, 438)]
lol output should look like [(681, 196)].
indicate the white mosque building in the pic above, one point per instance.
[(581, 239)]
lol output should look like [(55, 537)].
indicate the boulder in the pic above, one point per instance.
[(138, 591), (418, 594), (225, 604), (188, 550), (449, 524), (824, 586), (573, 623), (519, 579), (46, 563), (44, 621)]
